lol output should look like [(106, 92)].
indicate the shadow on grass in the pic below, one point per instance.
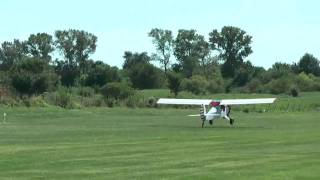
[(234, 127), (176, 126)]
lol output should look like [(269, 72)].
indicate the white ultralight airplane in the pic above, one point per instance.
[(218, 108)]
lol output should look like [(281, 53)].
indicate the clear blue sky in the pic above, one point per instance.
[(282, 30)]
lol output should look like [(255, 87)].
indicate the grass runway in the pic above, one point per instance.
[(122, 143)]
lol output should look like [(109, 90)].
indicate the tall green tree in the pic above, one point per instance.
[(141, 72), (100, 73), (188, 50), (309, 64), (132, 59), (11, 53), (76, 46), (280, 69), (163, 40), (40, 46), (233, 45), (203, 49)]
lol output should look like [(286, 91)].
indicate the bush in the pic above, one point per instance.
[(40, 85), (96, 101), (254, 86), (278, 86), (22, 83), (131, 102), (294, 91), (63, 99), (174, 82), (35, 101), (215, 87), (8, 101), (110, 102), (86, 92), (197, 84), (117, 90), (26, 83), (246, 110), (136, 100), (304, 82), (145, 76)]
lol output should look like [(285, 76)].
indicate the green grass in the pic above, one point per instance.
[(121, 143)]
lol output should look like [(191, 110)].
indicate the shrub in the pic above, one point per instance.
[(254, 86), (304, 82), (136, 100), (34, 101), (131, 102), (246, 110), (197, 84), (63, 99), (86, 91), (26, 83), (117, 90), (174, 82), (22, 83), (278, 86), (215, 87), (96, 101), (145, 76), (8, 101), (40, 84), (294, 91), (110, 102)]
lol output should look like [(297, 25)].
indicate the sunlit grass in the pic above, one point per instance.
[(121, 143)]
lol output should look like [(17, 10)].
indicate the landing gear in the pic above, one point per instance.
[(210, 122), (228, 110), (231, 121)]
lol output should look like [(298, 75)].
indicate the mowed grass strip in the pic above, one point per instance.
[(121, 143)]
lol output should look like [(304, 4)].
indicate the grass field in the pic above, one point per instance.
[(121, 143)]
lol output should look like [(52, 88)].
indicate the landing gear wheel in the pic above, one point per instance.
[(231, 121)]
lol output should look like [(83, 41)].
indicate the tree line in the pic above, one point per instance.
[(188, 62)]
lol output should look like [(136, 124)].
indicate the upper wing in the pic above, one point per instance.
[(221, 102), (184, 101), (246, 101)]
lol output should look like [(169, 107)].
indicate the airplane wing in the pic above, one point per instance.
[(215, 102), (246, 101), (184, 101)]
